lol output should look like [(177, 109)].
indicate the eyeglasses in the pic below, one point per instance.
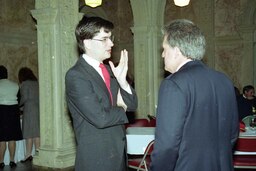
[(105, 39)]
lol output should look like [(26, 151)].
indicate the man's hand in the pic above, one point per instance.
[(120, 71)]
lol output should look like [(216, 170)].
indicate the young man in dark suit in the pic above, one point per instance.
[(98, 99), (197, 120)]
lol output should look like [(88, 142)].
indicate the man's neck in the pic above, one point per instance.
[(183, 63)]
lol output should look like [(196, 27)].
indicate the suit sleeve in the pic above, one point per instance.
[(86, 101), (171, 116), (130, 99)]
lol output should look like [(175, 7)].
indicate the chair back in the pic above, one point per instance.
[(149, 148), (138, 123), (152, 123), (146, 160), (141, 164)]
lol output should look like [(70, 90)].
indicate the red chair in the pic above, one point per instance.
[(245, 153), (242, 126), (152, 121), (138, 123), (142, 163)]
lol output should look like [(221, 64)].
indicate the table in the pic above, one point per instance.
[(138, 138), (249, 132), (246, 140)]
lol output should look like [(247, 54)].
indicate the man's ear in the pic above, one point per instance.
[(177, 52), (87, 43)]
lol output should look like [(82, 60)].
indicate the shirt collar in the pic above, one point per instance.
[(183, 63), (91, 61)]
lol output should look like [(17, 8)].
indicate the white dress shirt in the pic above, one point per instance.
[(96, 65)]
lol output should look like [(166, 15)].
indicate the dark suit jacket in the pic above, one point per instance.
[(197, 121), (98, 126), (245, 106)]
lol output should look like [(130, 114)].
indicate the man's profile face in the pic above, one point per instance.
[(170, 57), (100, 46), (249, 94)]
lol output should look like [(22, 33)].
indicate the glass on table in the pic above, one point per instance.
[(253, 123)]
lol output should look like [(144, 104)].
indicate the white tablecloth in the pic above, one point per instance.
[(249, 133), (138, 138)]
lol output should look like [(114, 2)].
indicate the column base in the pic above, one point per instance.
[(59, 158)]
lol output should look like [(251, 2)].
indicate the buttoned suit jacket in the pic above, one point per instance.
[(197, 121), (98, 125)]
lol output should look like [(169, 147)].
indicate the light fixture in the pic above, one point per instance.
[(93, 3), (181, 3)]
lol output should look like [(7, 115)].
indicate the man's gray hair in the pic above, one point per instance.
[(186, 36)]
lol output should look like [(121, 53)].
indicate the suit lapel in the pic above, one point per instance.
[(91, 72)]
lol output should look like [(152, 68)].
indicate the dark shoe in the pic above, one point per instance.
[(12, 164), (2, 165), (30, 158)]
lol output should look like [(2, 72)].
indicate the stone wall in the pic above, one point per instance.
[(18, 45), (226, 27), (228, 50)]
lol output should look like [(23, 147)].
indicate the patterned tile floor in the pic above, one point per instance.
[(28, 167)]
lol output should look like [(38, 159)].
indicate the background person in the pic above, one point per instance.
[(29, 101), (246, 102), (98, 111), (197, 122), (10, 129)]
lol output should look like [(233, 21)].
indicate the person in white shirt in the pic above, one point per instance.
[(10, 129)]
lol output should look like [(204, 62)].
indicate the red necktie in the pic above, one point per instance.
[(107, 79)]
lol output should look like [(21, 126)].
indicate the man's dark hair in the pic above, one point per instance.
[(247, 88), (88, 27)]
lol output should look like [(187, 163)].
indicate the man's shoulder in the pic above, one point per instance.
[(80, 68), (76, 66)]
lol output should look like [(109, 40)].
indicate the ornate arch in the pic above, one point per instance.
[(249, 14)]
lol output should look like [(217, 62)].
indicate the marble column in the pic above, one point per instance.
[(56, 20), (247, 28), (148, 64), (249, 39)]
